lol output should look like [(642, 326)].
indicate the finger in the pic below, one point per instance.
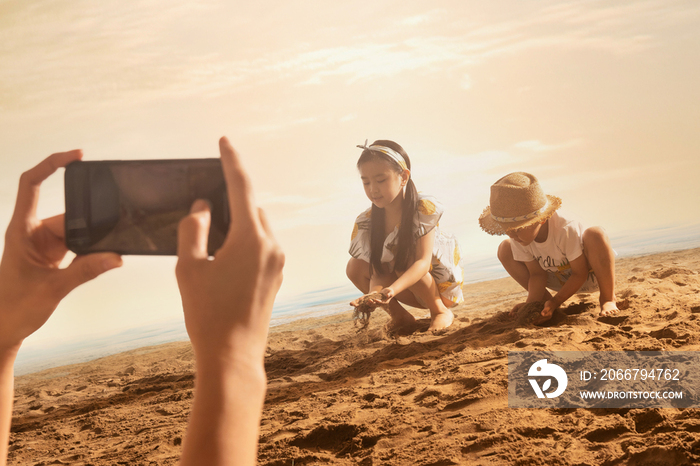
[(56, 225), (30, 181), (239, 190), (85, 268), (265, 224), (193, 232)]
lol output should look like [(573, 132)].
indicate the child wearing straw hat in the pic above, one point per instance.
[(547, 249)]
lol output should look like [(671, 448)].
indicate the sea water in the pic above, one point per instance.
[(320, 303), (314, 304)]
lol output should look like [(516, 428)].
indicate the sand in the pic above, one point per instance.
[(341, 397)]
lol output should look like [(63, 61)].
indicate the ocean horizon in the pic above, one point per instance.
[(318, 303)]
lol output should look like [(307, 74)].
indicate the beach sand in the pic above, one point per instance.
[(341, 397)]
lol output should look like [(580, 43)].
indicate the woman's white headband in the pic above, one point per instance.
[(395, 156)]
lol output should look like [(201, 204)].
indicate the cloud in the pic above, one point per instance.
[(334, 210), (566, 181), (464, 184), (108, 53), (537, 146), (615, 15), (371, 60), (273, 128), (466, 82), (422, 18)]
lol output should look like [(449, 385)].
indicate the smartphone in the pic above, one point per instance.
[(135, 206)]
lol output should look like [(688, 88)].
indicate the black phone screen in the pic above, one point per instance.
[(134, 207)]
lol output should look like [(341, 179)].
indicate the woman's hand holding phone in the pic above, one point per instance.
[(228, 300), (31, 282), (227, 303)]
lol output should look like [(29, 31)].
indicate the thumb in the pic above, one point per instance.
[(85, 268), (193, 232)]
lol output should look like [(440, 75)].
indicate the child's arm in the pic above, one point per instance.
[(579, 275), (416, 271), (537, 284)]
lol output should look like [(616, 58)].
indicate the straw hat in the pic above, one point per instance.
[(517, 201)]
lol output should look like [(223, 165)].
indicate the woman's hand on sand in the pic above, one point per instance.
[(228, 301), (31, 282)]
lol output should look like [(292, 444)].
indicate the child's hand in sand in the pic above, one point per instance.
[(371, 300), (550, 306), (514, 312), (31, 283), (388, 293)]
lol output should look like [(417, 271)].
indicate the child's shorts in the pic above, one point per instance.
[(555, 281)]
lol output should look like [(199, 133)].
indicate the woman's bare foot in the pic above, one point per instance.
[(402, 326), (608, 308), (401, 321), (441, 320)]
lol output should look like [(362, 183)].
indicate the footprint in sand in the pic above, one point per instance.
[(665, 273), (646, 419), (662, 456), (336, 438), (606, 434)]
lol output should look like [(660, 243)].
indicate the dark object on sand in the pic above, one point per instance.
[(530, 313), (364, 308)]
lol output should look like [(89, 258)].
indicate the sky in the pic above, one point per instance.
[(598, 99)]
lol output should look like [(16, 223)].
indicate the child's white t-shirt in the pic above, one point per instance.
[(564, 243)]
